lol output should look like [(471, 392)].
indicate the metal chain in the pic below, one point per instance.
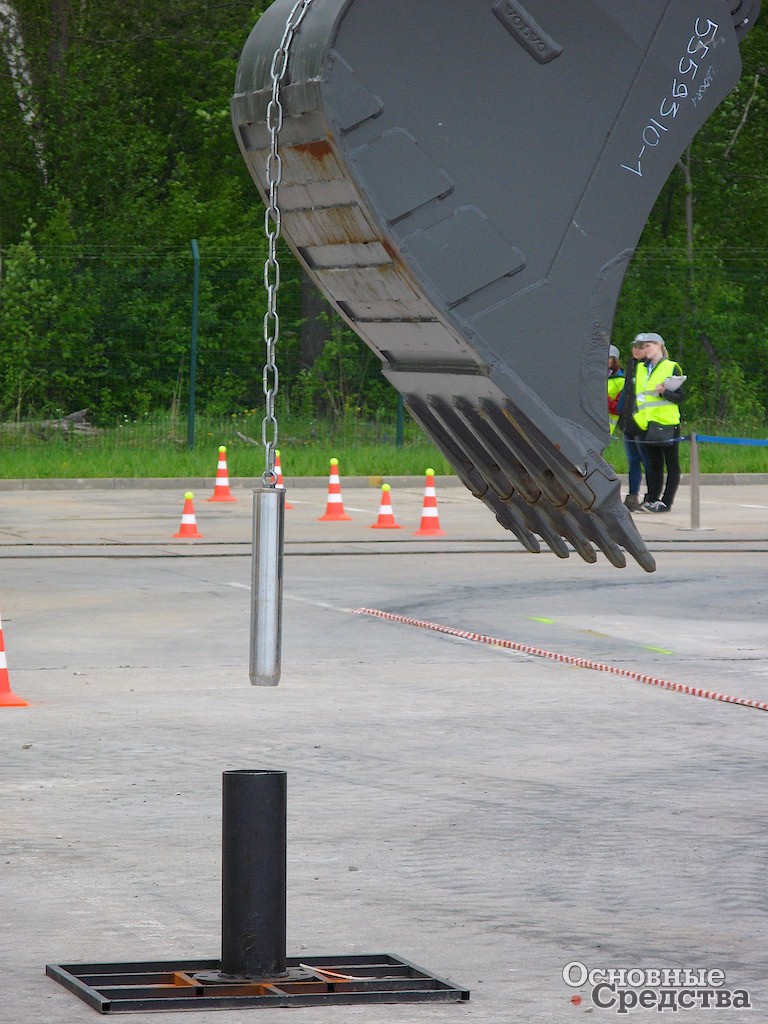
[(272, 227)]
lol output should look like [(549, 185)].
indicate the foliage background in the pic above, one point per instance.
[(117, 150)]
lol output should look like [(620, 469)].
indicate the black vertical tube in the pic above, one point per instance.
[(253, 889)]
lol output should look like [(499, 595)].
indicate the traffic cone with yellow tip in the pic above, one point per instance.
[(188, 528), (430, 521), (334, 509), (279, 474), (386, 519), (221, 491), (8, 698)]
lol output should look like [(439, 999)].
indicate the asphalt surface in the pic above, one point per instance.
[(489, 814)]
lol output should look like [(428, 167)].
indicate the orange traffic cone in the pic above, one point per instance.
[(221, 491), (279, 474), (8, 698), (386, 520), (188, 528), (430, 521), (334, 509)]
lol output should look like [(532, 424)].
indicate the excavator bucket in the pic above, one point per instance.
[(466, 181)]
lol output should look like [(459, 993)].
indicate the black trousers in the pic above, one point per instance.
[(659, 457)]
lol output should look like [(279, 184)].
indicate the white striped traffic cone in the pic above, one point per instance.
[(386, 519), (430, 521), (8, 698), (221, 491), (334, 509), (279, 473), (188, 528)]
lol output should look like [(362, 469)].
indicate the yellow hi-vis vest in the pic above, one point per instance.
[(615, 387), (651, 406)]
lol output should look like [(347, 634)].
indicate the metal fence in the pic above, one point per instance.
[(112, 331)]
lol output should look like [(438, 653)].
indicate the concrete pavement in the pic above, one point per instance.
[(490, 815)]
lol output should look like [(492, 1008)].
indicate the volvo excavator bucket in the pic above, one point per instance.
[(466, 181)]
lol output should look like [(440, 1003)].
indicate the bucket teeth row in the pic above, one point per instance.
[(526, 484)]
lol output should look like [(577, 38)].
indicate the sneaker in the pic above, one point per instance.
[(655, 506), (633, 503)]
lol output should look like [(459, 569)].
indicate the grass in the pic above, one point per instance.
[(155, 446)]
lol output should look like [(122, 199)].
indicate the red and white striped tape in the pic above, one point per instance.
[(565, 659)]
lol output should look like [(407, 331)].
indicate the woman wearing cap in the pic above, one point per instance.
[(657, 416), (616, 383), (634, 449)]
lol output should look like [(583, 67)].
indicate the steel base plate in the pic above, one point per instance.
[(199, 984)]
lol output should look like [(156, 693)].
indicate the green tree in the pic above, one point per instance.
[(130, 154)]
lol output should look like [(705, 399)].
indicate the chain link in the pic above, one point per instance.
[(272, 228)]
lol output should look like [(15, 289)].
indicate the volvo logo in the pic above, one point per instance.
[(518, 22)]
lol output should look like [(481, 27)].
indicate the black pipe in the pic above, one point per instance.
[(253, 877)]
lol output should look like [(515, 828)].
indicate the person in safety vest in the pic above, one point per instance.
[(615, 386), (634, 449), (658, 394)]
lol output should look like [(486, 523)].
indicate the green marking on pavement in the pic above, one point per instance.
[(660, 650)]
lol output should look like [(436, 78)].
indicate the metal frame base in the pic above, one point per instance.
[(199, 984)]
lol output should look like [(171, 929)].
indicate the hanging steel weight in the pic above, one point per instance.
[(268, 500), (267, 585)]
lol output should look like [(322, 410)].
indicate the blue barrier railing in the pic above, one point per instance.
[(710, 439)]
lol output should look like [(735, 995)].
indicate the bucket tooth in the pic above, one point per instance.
[(527, 483), (540, 524), (512, 517), (510, 482), (512, 514), (465, 469), (526, 453), (556, 475), (571, 529), (474, 228), (504, 480)]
